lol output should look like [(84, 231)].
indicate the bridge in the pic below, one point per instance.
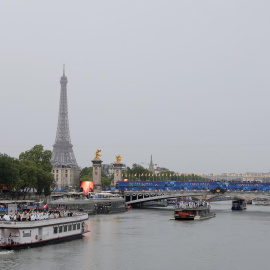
[(140, 197)]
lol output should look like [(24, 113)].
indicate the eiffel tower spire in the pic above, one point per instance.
[(62, 149)]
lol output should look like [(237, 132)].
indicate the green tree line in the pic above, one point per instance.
[(32, 170), (138, 172)]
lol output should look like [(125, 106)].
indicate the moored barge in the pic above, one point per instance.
[(91, 206)]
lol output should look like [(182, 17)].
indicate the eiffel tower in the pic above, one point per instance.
[(63, 155)]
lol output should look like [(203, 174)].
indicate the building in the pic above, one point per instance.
[(151, 166), (65, 168), (66, 176), (109, 169), (246, 177)]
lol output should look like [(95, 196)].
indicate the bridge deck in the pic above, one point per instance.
[(146, 196)]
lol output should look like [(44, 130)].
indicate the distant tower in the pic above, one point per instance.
[(151, 166), (63, 155)]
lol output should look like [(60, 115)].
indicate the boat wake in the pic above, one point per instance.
[(6, 252)]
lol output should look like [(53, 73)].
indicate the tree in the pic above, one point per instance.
[(138, 172), (105, 181), (86, 171), (40, 156), (37, 161), (28, 175), (9, 173), (44, 182)]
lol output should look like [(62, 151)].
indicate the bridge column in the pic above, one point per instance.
[(97, 174), (117, 173)]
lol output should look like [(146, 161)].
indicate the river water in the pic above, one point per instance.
[(148, 239)]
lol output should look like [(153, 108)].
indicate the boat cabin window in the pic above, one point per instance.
[(69, 227), (60, 229), (78, 226), (55, 229), (65, 228), (74, 227)]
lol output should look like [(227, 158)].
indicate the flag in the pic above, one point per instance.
[(45, 206), (33, 208)]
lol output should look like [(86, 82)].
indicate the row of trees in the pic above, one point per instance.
[(137, 172), (31, 171)]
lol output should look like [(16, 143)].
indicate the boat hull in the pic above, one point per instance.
[(211, 215), (42, 243), (193, 213), (238, 208), (184, 218)]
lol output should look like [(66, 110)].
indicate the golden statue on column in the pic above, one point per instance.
[(118, 159), (98, 155)]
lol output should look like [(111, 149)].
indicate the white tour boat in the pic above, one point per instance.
[(21, 234), (193, 211)]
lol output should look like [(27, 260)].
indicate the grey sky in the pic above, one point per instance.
[(185, 81)]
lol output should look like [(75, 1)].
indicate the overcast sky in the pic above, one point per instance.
[(185, 81)]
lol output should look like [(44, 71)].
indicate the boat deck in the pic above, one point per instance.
[(43, 222)]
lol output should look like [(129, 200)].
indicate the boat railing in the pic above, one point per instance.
[(44, 218)]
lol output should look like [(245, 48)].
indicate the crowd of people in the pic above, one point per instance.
[(191, 204), (35, 215)]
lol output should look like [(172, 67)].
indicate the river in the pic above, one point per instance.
[(147, 239)]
